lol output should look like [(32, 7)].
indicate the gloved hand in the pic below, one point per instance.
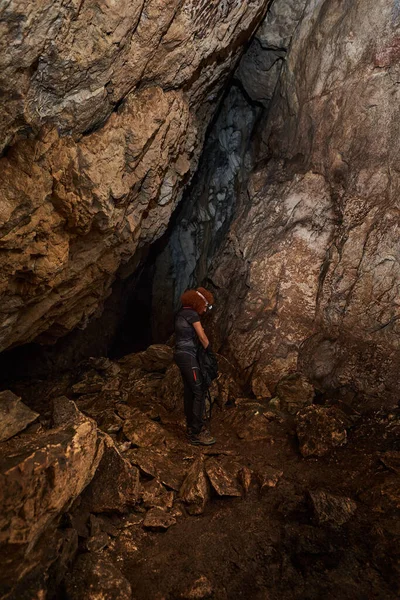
[(209, 349)]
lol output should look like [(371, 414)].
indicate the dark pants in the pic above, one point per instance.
[(193, 393)]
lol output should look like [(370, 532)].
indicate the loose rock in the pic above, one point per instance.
[(94, 578), (195, 490), (319, 430), (14, 415)]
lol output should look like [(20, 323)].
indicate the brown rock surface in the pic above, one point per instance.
[(40, 476), (158, 520), (94, 577), (104, 111), (115, 486), (314, 248), (195, 490), (14, 415), (331, 509)]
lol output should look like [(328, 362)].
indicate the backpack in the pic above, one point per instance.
[(208, 366)]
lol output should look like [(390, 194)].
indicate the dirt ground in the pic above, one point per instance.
[(269, 545)]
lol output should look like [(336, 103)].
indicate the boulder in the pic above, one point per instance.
[(294, 392), (223, 476), (195, 490), (40, 477), (160, 465), (157, 357), (94, 577), (115, 486), (171, 389), (14, 415), (320, 430), (141, 431), (154, 494), (330, 509)]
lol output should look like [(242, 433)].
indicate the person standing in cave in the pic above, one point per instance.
[(189, 334)]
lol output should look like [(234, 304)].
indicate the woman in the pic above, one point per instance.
[(189, 333)]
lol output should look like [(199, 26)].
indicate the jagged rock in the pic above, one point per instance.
[(157, 357), (154, 494), (330, 509), (159, 465), (294, 392), (109, 422), (90, 383), (39, 479), (259, 387), (158, 520), (268, 477), (251, 425), (14, 415), (195, 490), (245, 477), (306, 271), (223, 476), (115, 486), (94, 577), (171, 390), (201, 589), (141, 431), (64, 411), (107, 157), (320, 429)]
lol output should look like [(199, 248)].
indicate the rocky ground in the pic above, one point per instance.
[(102, 497)]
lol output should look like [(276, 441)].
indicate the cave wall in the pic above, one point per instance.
[(104, 112), (309, 276), (228, 158)]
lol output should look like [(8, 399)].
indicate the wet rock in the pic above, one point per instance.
[(223, 477), (320, 430), (330, 509), (159, 465), (294, 392), (158, 520), (115, 486), (195, 490), (94, 577), (141, 431), (201, 589), (14, 415), (154, 494)]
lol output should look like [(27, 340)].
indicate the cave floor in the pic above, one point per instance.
[(302, 528), (269, 544)]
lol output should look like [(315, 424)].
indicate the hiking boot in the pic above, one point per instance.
[(204, 438)]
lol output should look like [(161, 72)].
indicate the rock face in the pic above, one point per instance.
[(103, 119), (39, 479), (315, 249)]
